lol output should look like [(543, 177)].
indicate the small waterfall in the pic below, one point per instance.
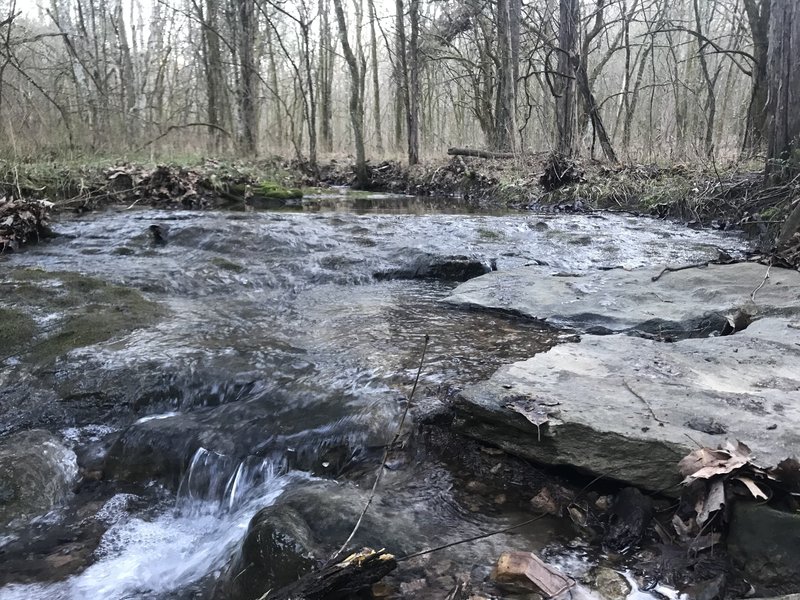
[(217, 478), (153, 556)]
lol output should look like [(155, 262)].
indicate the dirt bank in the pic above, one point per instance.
[(731, 198)]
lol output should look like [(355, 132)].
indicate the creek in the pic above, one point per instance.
[(277, 360)]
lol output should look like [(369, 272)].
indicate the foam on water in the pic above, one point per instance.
[(146, 557)]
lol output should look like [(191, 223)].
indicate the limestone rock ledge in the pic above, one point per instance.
[(630, 408), (688, 303)]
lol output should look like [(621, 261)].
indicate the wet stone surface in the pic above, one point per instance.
[(628, 406)]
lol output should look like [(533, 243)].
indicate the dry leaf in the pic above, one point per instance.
[(713, 501), (752, 487), (739, 449), (703, 458), (531, 410), (684, 529)]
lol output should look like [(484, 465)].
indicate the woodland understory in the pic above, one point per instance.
[(681, 108)]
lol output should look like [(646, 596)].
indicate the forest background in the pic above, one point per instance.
[(708, 84)]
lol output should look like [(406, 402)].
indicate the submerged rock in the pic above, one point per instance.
[(610, 584), (689, 303), (277, 550), (38, 472), (442, 268), (617, 406), (302, 529), (269, 427)]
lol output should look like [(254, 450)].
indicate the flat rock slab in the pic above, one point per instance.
[(630, 408), (690, 302)]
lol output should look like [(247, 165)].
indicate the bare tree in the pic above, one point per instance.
[(564, 85), (356, 97), (783, 148), (376, 83), (758, 18)]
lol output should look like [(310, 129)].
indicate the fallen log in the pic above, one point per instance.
[(478, 153), (342, 580)]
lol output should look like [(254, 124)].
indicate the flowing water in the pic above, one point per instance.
[(284, 360)]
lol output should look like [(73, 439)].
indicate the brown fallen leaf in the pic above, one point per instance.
[(707, 462), (752, 487), (711, 502)]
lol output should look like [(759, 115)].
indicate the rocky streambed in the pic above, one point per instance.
[(200, 413)]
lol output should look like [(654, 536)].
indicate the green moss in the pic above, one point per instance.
[(31, 274), (225, 264), (316, 191), (771, 214), (267, 189), (273, 191), (16, 328), (88, 311)]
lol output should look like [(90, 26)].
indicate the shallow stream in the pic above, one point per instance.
[(280, 360)]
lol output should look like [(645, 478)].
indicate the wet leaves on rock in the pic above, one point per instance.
[(536, 411)]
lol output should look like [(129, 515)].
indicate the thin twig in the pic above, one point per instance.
[(172, 128), (763, 281), (575, 498), (389, 446), (681, 268), (471, 539), (640, 397)]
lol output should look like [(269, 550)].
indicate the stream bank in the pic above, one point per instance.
[(735, 197)]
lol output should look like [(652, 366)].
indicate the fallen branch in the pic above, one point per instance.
[(478, 153), (341, 580), (681, 268), (760, 285), (172, 128)]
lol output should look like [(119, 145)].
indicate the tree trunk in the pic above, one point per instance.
[(783, 74), (569, 18), (505, 126), (755, 134), (127, 74), (215, 81), (248, 74), (594, 112), (376, 84), (478, 153), (356, 105), (310, 95), (413, 94), (325, 75), (711, 96)]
